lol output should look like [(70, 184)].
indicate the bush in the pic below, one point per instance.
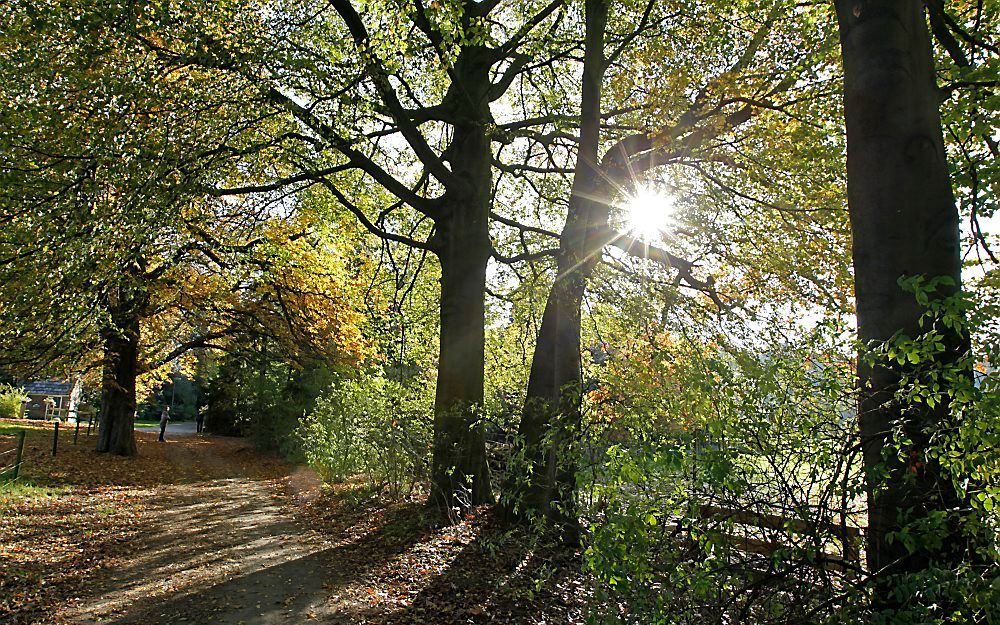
[(370, 427), (11, 402), (724, 481)]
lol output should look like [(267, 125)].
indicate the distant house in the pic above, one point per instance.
[(48, 399)]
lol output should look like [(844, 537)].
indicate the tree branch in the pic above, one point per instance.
[(311, 176), (522, 227), (639, 249), (526, 28), (379, 232), (525, 256), (357, 158), (380, 77)]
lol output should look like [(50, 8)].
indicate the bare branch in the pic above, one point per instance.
[(358, 159), (311, 176), (432, 161), (525, 256), (515, 41), (379, 232), (522, 227)]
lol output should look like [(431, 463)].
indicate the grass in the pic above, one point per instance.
[(10, 428), (39, 436), (21, 489)]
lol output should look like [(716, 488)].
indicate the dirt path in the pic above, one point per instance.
[(221, 546), (204, 530)]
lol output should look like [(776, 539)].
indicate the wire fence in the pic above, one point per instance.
[(12, 459)]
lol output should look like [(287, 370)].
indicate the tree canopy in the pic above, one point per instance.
[(612, 265)]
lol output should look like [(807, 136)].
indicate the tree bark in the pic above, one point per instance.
[(904, 223), (551, 416), (460, 474), (121, 367)]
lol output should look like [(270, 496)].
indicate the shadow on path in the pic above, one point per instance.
[(258, 568), (229, 549), (223, 543), (496, 578)]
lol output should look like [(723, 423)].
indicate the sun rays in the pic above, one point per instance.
[(649, 212)]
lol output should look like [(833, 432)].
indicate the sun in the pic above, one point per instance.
[(648, 213)]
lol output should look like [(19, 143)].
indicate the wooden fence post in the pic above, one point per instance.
[(19, 453), (55, 438), (76, 433)]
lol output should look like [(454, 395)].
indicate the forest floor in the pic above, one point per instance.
[(204, 529)]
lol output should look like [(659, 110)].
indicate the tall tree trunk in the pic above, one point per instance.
[(460, 474), (551, 416), (904, 223), (121, 367)]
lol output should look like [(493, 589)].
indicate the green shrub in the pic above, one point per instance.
[(370, 427), (11, 402), (701, 452), (736, 509)]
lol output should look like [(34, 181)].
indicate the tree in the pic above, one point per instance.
[(377, 153), (108, 216), (475, 52), (697, 133), (905, 224)]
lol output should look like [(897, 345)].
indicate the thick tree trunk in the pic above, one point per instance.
[(551, 417), (121, 367), (460, 474), (904, 223)]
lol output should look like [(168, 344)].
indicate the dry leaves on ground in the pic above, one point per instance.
[(71, 514), (474, 571)]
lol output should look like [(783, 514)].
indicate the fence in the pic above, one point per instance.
[(10, 471), (64, 413), (89, 414), (753, 537)]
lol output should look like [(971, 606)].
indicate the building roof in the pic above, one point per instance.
[(47, 387)]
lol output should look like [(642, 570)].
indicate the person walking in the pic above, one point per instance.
[(200, 421), (164, 419)]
